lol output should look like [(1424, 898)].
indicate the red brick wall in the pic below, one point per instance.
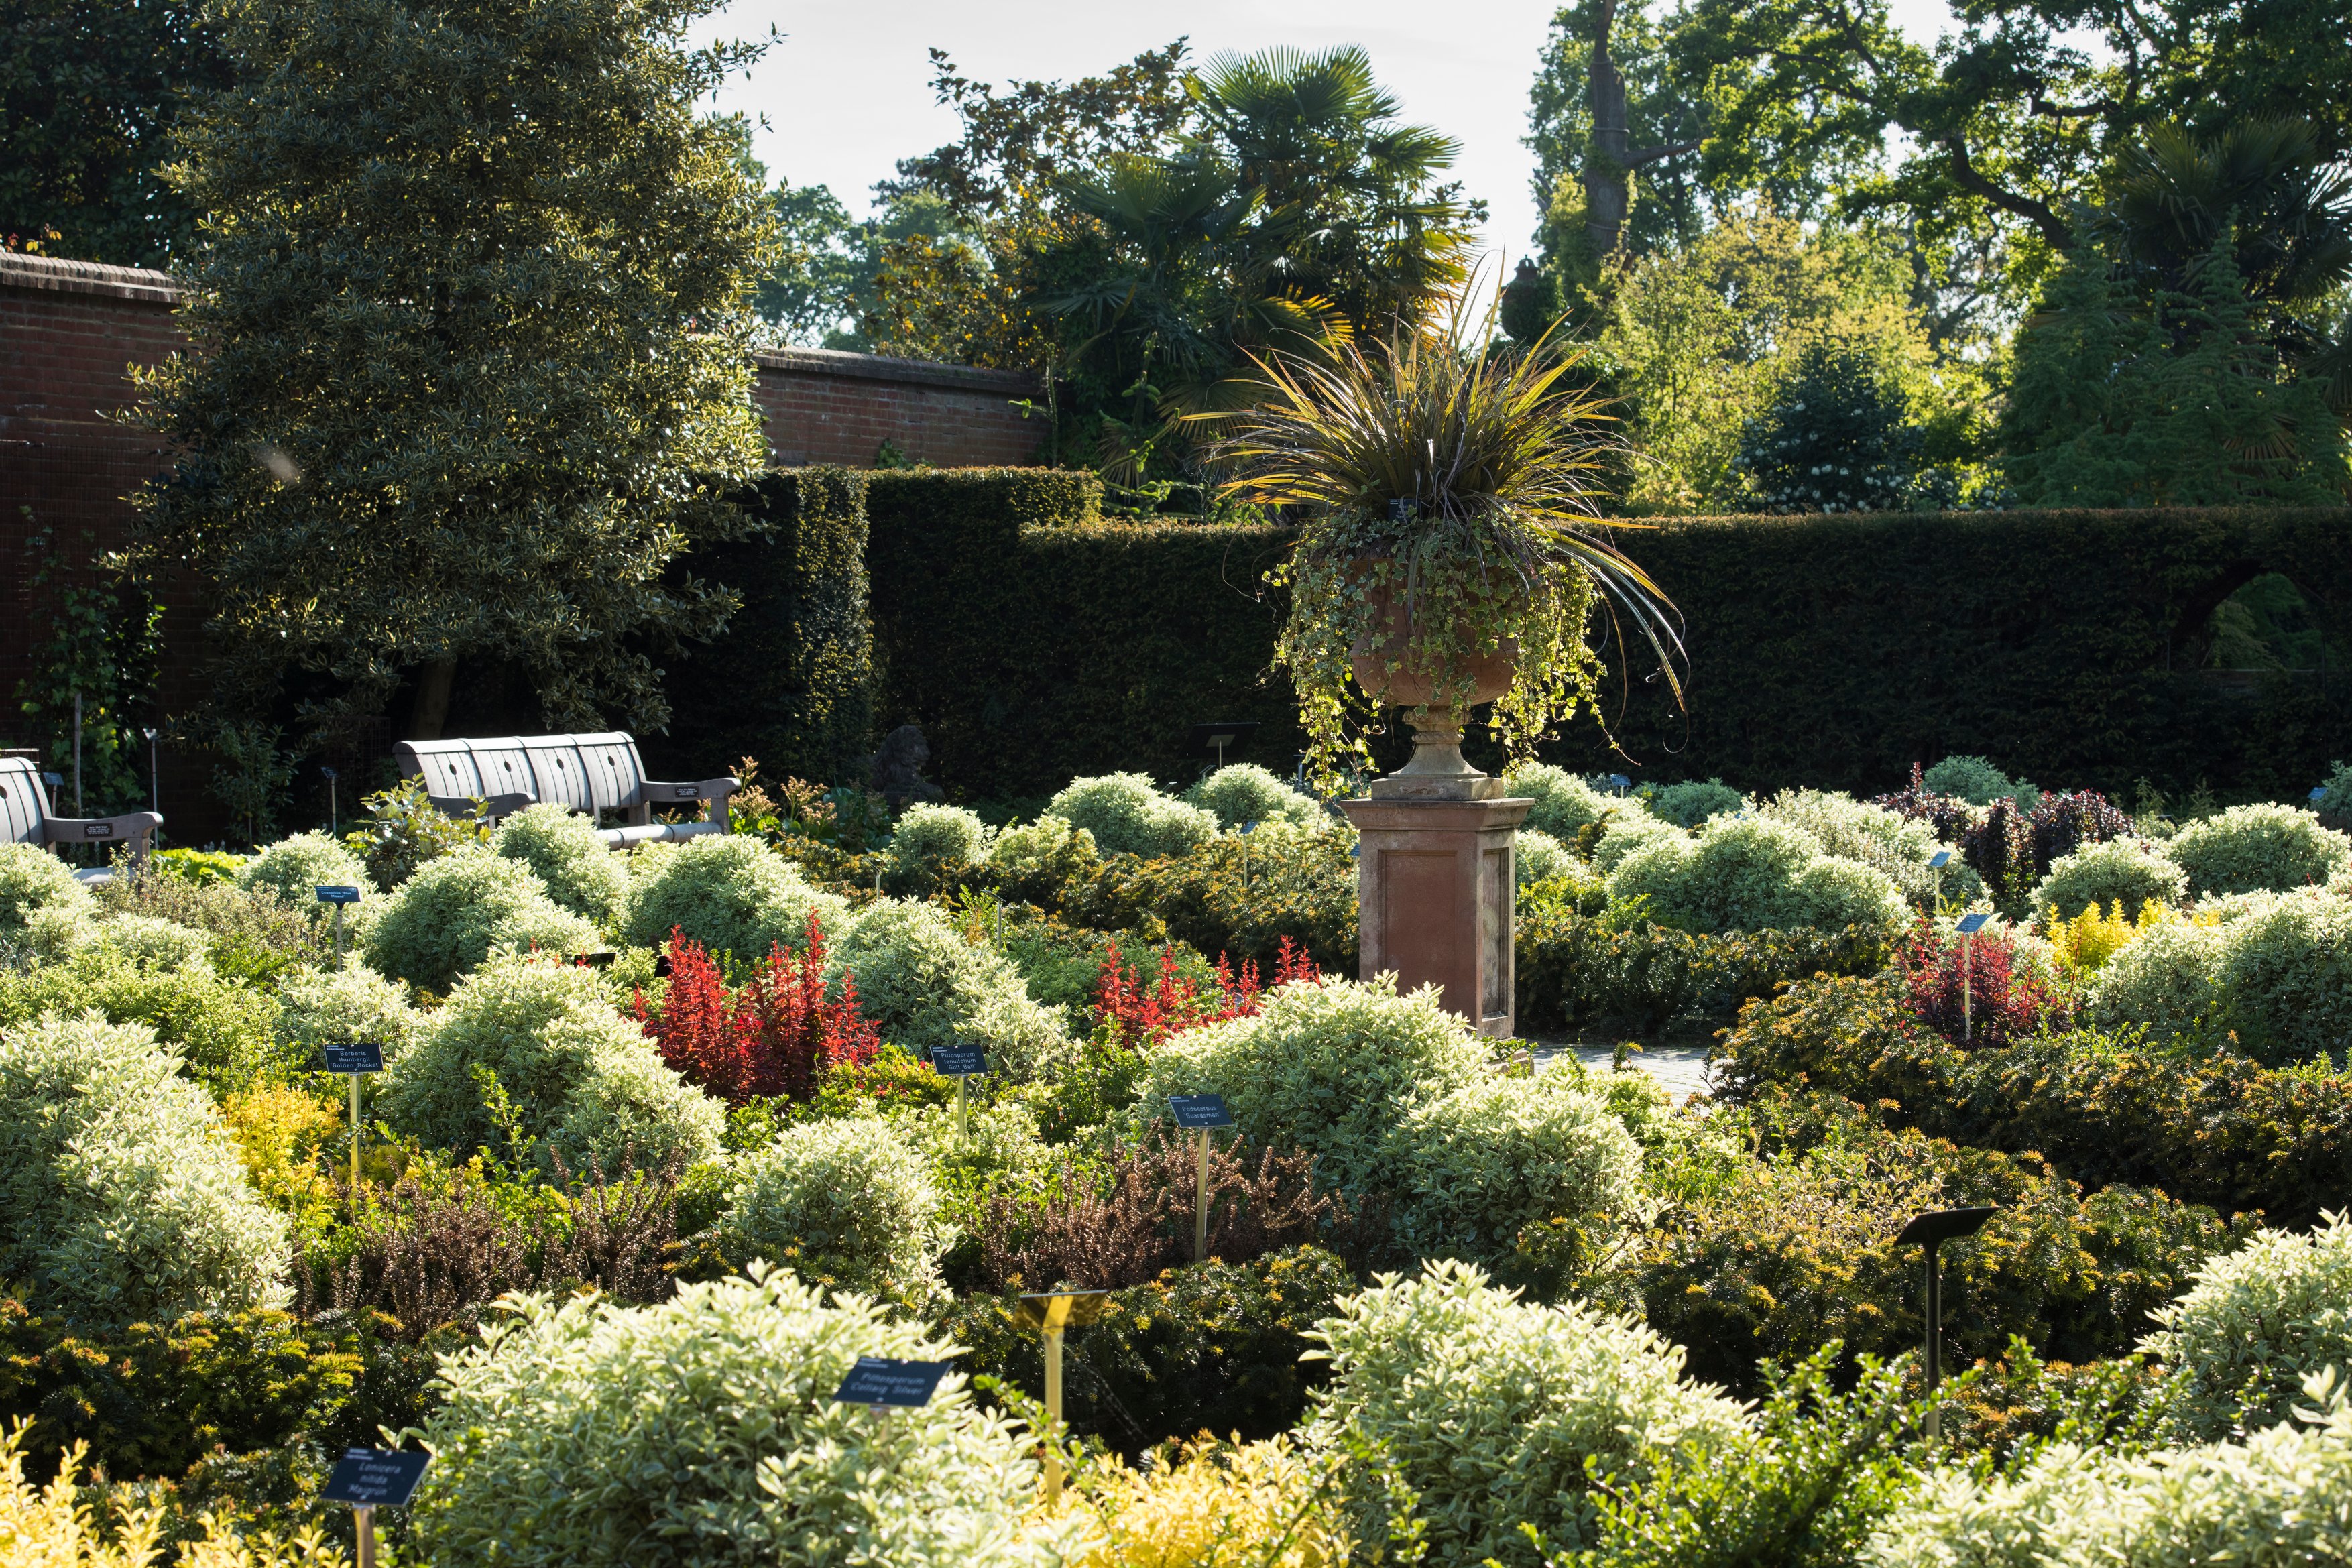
[(68, 330)]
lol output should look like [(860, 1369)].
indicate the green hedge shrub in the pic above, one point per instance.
[(1538, 857), (32, 878), (1241, 792), (582, 1080), (704, 1429), (1485, 1162), (926, 986), (1127, 815), (1975, 780), (932, 850), (457, 910), (2165, 981), (1747, 874), (294, 869), (316, 1007), (2129, 871), (221, 1031), (124, 1199), (1855, 831), (251, 938), (2284, 978), (1032, 863), (846, 1202), (1238, 896), (1690, 804), (1564, 802), (2260, 1322), (563, 849), (1491, 1408), (2253, 849), (1624, 833), (726, 890)]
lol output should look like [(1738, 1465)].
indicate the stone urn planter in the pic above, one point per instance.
[(1437, 771)]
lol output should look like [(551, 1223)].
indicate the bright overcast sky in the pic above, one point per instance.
[(847, 92)]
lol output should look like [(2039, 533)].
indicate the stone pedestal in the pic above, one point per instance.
[(1436, 887)]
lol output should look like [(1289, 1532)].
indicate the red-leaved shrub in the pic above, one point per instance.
[(2004, 999), (774, 1036), (1147, 1014)]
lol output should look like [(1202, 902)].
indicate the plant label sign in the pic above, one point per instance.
[(1972, 923), (356, 1056), (338, 894), (885, 1382), (1198, 1112), (376, 1478), (1940, 860), (2319, 793), (958, 1060)]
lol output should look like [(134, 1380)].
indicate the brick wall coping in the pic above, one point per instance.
[(908, 372), (62, 277)]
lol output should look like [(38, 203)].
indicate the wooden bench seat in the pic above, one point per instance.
[(25, 815), (590, 773)]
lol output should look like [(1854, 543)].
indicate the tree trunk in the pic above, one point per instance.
[(1606, 192), (432, 708)]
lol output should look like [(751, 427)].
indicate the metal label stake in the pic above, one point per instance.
[(963, 1063), (1198, 1114), (358, 1057), (1931, 1230), (1970, 926), (370, 1478), (1054, 1314)]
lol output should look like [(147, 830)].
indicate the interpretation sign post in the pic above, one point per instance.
[(963, 1063), (1054, 1314), (1931, 1230), (371, 1479), (338, 897), (1201, 1114), (1970, 926), (1937, 863), (882, 1382), (352, 1059)]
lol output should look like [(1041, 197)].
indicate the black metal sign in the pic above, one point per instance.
[(1194, 1112), (376, 1478), (886, 1381), (355, 1056)]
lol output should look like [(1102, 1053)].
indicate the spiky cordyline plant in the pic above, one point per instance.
[(1461, 478)]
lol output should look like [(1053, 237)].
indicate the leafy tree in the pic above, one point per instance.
[(472, 300), (88, 92), (1836, 437)]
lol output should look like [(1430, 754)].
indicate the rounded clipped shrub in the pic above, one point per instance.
[(2258, 1321), (2285, 978), (60, 931), (1490, 1406), (32, 878), (580, 1080), (1498, 1155), (1243, 792), (926, 986), (1690, 804), (704, 1430), (219, 1029), (317, 1007), (847, 1202), (1564, 802), (1538, 857), (295, 869), (2248, 848), (1034, 861), (933, 849), (726, 890), (1975, 780), (460, 908), (2126, 870), (125, 1197), (1128, 815), (1752, 873), (2166, 979), (1885, 840), (563, 849), (1626, 832)]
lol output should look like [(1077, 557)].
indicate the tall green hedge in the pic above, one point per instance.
[(790, 680)]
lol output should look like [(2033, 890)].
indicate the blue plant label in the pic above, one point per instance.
[(338, 894), (376, 1478), (356, 1056), (2319, 793), (882, 1380), (1194, 1112), (1619, 782), (958, 1060), (1972, 923), (1940, 860)]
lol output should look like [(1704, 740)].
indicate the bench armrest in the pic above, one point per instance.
[(497, 806), (654, 792), (135, 828)]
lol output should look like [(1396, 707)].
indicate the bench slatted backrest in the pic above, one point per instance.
[(504, 767), (447, 768), (21, 809), (559, 772), (586, 772), (616, 776)]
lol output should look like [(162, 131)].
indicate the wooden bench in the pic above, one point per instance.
[(590, 773), (25, 815)]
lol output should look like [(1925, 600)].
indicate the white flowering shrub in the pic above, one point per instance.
[(582, 1080), (2257, 1325), (1975, 780), (1243, 792), (926, 986), (125, 1197), (32, 878), (2129, 871), (933, 849), (317, 1007), (2166, 980), (1537, 857), (1127, 815), (1489, 1407), (1752, 873), (457, 910), (295, 868), (1885, 840), (1690, 804), (703, 1431), (1034, 862), (2247, 849), (2280, 1498), (1498, 1154), (1564, 802), (726, 890), (563, 849), (846, 1201)]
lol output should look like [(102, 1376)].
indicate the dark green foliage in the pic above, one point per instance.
[(1837, 438), (103, 641), (2225, 1132), (1210, 1347), (790, 680), (1299, 887)]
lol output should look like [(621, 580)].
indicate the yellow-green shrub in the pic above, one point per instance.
[(1216, 1505)]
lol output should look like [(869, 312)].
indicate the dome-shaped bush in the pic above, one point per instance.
[(1564, 802), (2248, 848), (460, 908), (317, 1007), (563, 849), (1243, 792), (1490, 1406), (726, 890), (1538, 857), (32, 878), (60, 931), (2286, 978), (1975, 780), (295, 868), (1127, 815), (1883, 840), (925, 986), (2126, 870), (845, 1201), (1687, 805), (219, 1029), (933, 849), (2258, 1321), (1489, 1159), (1626, 832), (1034, 861), (582, 1080), (703, 1430), (2166, 979), (1750, 873), (125, 1198)]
